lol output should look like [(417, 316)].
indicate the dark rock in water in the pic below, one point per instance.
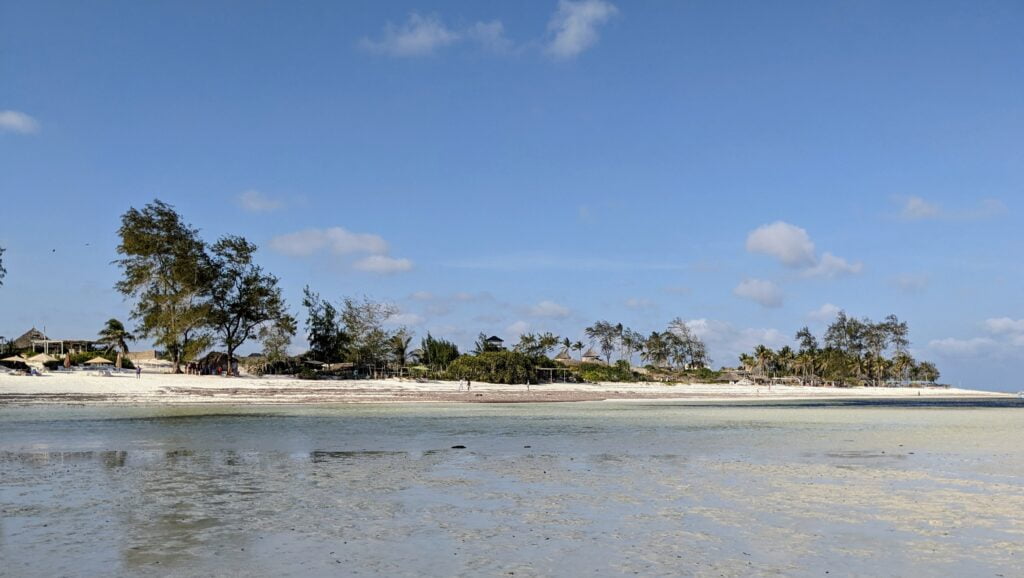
[(527, 447), (458, 447)]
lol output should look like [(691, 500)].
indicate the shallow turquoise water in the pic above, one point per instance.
[(603, 488)]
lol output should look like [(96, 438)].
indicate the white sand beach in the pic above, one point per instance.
[(124, 388)]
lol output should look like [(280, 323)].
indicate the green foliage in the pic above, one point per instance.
[(595, 372), (115, 335), (308, 373), (483, 346), (242, 296), (166, 270), (855, 352), (495, 367), (438, 354), (327, 339), (370, 344), (276, 337)]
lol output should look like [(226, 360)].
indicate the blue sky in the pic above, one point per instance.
[(499, 167)]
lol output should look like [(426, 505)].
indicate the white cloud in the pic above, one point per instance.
[(490, 35), (726, 342), (1006, 342), (383, 264), (422, 296), (405, 319), (337, 240), (424, 35), (918, 209), (637, 304), (760, 291), (518, 328), (549, 310), (823, 314), (915, 208), (793, 247), (573, 27), (14, 121), (1005, 326), (790, 244), (257, 202), (830, 267), (418, 36), (953, 347)]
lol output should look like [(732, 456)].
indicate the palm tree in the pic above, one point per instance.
[(400, 347), (764, 356), (578, 346), (115, 335)]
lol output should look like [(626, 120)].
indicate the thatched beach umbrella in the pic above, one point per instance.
[(14, 359), (99, 361), (41, 358)]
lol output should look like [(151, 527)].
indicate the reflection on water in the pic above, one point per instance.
[(591, 488)]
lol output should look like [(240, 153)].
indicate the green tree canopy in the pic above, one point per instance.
[(242, 297), (166, 271), (115, 335)]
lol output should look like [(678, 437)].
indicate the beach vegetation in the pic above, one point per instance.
[(506, 367), (242, 297), (115, 336), (166, 270), (853, 352), (437, 354)]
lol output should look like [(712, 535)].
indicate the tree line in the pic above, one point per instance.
[(189, 293), (854, 351)]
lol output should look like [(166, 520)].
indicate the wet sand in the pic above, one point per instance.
[(789, 488)]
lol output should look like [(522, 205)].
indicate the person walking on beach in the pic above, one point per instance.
[(460, 383), (467, 384), (138, 372)]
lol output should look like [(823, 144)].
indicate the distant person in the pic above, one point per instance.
[(461, 383), (138, 372), (467, 384)]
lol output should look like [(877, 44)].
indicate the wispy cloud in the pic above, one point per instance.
[(726, 342), (910, 283), (761, 291), (417, 36), (1005, 340), (792, 247), (383, 264), (825, 313), (340, 242), (525, 262), (19, 122), (549, 310), (337, 240), (405, 318), (640, 304), (256, 202), (919, 209), (518, 328), (490, 35), (574, 26), (829, 267), (424, 35)]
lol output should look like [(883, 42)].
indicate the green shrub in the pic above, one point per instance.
[(598, 372), (308, 373), (495, 367)]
